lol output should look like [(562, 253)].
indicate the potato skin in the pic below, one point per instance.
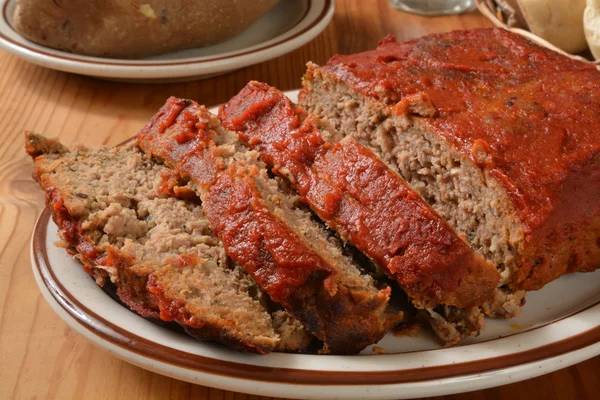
[(134, 29)]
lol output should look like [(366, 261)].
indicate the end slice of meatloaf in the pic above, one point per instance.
[(158, 250), (499, 135), (290, 256)]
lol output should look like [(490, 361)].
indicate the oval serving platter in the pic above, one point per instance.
[(555, 331)]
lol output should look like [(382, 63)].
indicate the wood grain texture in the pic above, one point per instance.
[(40, 357)]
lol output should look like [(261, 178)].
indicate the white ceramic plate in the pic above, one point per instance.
[(289, 25), (560, 326)]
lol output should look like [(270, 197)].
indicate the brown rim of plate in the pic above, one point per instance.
[(148, 349), (65, 55)]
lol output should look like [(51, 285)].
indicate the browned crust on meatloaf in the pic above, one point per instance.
[(525, 116), (347, 319), (137, 284), (368, 204)]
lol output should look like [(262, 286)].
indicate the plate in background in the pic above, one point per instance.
[(287, 26)]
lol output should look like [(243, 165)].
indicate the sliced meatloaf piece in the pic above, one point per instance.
[(292, 257), (499, 135), (160, 252), (357, 195), (367, 203)]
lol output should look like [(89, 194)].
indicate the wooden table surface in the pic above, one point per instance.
[(40, 357)]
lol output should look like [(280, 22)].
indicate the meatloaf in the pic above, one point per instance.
[(367, 203), (357, 195), (113, 214), (291, 256), (500, 136)]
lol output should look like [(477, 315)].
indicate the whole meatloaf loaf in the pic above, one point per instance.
[(369, 205), (290, 255), (113, 214), (500, 136)]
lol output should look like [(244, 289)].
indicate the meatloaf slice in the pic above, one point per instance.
[(499, 135), (290, 256), (368, 204), (158, 250)]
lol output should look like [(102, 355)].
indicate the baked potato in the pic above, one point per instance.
[(134, 29)]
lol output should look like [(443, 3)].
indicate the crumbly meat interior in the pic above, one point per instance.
[(474, 206), (284, 203), (115, 197), (289, 208), (292, 256)]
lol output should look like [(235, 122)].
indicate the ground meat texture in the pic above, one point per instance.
[(452, 324), (455, 189), (159, 251), (292, 257), (370, 206), (367, 203), (496, 133), (356, 194)]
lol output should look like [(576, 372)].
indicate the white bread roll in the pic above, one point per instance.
[(514, 17), (591, 24), (560, 22)]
